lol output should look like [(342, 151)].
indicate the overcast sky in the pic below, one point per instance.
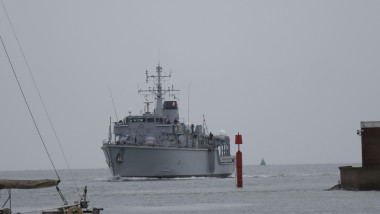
[(295, 78)]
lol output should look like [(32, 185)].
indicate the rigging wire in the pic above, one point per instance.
[(39, 94), (30, 111), (113, 103)]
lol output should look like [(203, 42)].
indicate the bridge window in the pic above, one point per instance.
[(141, 119), (150, 119)]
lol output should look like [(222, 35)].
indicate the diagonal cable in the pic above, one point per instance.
[(30, 112), (39, 94)]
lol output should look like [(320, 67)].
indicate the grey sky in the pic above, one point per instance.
[(295, 78)]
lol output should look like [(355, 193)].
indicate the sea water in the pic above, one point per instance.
[(266, 189)]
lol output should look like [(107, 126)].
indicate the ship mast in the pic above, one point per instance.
[(159, 92)]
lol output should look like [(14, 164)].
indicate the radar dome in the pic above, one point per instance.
[(150, 140), (223, 132)]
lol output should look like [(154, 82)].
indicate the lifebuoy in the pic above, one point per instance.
[(75, 208)]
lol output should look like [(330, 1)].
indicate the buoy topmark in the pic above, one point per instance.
[(238, 139)]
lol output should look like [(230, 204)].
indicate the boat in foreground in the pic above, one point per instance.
[(78, 207), (160, 144)]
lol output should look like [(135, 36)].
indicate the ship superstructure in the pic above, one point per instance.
[(161, 144)]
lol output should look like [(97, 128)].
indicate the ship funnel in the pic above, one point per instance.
[(171, 110)]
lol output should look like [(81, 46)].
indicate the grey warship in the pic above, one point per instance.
[(160, 144)]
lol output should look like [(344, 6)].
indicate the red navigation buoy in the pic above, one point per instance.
[(239, 161)]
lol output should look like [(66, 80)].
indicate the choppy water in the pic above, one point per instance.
[(267, 189)]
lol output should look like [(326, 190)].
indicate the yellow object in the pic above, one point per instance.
[(77, 209)]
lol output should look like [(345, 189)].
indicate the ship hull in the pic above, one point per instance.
[(165, 162)]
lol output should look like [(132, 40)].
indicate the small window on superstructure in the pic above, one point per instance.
[(133, 120), (141, 119), (150, 120)]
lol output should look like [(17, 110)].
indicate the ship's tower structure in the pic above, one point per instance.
[(159, 92)]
